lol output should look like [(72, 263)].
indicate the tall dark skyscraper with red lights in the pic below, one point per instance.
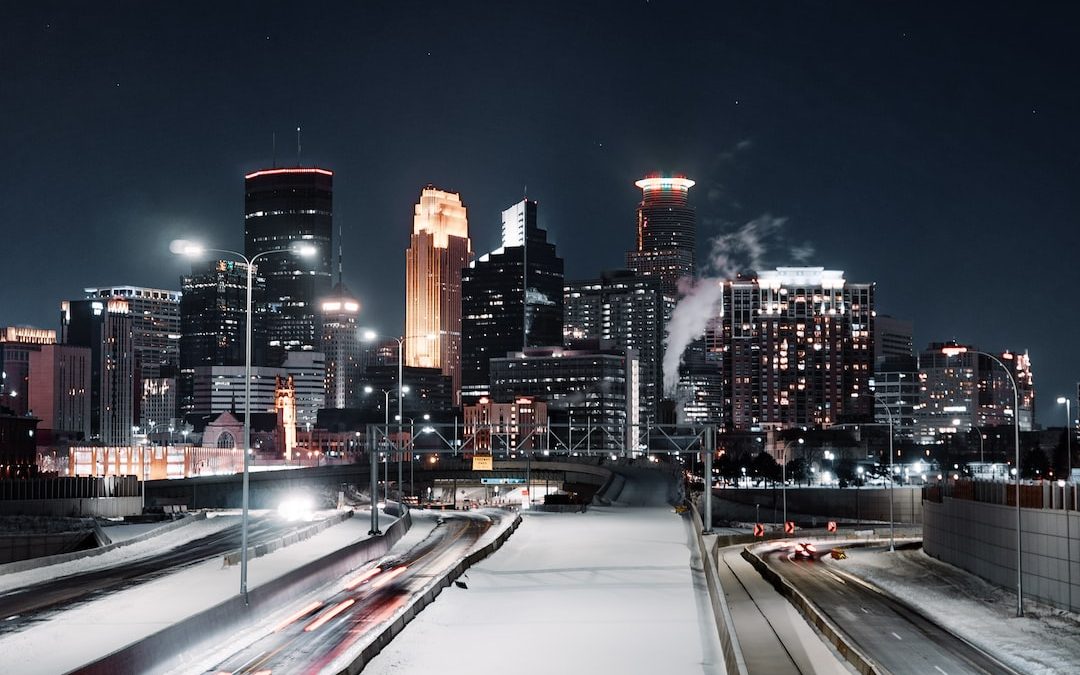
[(666, 232), (283, 207)]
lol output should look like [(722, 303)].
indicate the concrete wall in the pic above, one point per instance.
[(16, 547), (981, 538), (833, 503), (104, 507)]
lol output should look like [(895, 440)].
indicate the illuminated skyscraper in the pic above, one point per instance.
[(627, 310), (342, 346), (438, 250), (965, 391), (213, 320), (105, 327), (795, 346), (511, 299), (283, 207), (666, 232), (155, 326)]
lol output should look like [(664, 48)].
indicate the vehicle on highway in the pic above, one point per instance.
[(804, 550), (838, 554)]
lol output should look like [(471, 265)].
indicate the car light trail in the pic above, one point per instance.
[(329, 615), (306, 610), (356, 581), (389, 576)]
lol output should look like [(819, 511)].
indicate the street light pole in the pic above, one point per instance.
[(783, 477), (1067, 490), (193, 250), (1068, 435), (955, 350)]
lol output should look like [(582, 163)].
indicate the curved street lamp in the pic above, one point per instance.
[(192, 250), (956, 350)]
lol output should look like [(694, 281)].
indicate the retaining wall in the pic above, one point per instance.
[(167, 649), (102, 507), (981, 538), (834, 503)]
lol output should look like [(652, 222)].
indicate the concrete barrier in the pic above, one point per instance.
[(233, 557), (34, 563), (867, 503), (177, 646), (100, 507), (832, 633), (725, 625), (387, 634)]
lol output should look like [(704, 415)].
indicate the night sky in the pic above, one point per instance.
[(930, 149)]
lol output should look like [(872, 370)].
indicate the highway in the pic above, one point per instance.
[(897, 638), (321, 631), (23, 606)]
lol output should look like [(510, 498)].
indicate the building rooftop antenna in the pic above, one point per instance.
[(340, 278), (297, 145)]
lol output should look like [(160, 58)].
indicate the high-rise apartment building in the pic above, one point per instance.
[(60, 393), (284, 207), (213, 321), (105, 327), (666, 232), (795, 346), (342, 345), (155, 339), (511, 298), (439, 248), (17, 343), (627, 310), (961, 391), (155, 326)]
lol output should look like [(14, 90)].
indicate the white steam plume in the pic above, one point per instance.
[(743, 250)]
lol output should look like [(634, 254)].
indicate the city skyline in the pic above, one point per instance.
[(952, 154)]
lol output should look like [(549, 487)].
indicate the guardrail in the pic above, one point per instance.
[(725, 624)]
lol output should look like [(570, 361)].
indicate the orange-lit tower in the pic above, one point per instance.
[(666, 232), (438, 249)]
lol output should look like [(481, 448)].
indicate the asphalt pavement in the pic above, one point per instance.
[(895, 636)]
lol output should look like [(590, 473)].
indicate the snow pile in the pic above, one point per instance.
[(606, 591), (1046, 640)]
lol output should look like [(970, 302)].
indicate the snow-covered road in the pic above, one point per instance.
[(607, 591)]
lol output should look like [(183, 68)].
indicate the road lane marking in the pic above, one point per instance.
[(865, 610), (940, 670), (897, 636)]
